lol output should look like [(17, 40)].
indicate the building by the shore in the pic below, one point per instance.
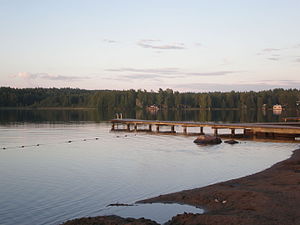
[(277, 109), (153, 108)]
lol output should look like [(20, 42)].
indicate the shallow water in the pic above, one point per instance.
[(158, 212), (57, 180)]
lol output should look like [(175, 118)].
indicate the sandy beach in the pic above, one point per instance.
[(268, 197)]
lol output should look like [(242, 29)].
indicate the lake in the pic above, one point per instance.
[(60, 165)]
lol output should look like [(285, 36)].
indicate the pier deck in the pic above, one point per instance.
[(285, 130)]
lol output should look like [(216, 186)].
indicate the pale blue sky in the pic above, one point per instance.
[(203, 45)]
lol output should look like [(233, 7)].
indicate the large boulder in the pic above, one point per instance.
[(232, 142), (207, 140)]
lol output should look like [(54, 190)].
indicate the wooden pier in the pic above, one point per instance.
[(258, 130)]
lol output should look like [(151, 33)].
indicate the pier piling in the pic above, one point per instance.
[(157, 128), (216, 131), (173, 129), (232, 132)]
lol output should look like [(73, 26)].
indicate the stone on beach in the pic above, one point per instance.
[(207, 140), (232, 142)]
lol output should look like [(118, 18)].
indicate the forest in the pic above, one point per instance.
[(140, 99)]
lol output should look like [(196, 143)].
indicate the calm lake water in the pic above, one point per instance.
[(80, 167)]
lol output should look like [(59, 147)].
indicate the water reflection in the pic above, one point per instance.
[(56, 116), (158, 212)]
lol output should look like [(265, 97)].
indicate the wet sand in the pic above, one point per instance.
[(270, 197)]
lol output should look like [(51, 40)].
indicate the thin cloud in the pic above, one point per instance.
[(260, 85), (152, 77), (159, 70), (135, 77), (110, 41), (273, 58), (142, 76), (216, 73), (282, 82), (171, 71), (160, 74), (47, 76), (274, 50), (271, 49), (283, 53), (271, 53), (156, 44)]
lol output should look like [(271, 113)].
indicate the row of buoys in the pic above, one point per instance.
[(24, 146)]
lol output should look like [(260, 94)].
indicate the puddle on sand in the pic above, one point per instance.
[(159, 212)]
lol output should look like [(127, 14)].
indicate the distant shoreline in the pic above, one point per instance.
[(94, 108), (47, 108)]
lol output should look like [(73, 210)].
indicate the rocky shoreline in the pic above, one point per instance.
[(268, 197)]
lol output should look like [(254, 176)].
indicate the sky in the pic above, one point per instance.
[(191, 45)]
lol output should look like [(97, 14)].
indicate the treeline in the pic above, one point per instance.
[(132, 99)]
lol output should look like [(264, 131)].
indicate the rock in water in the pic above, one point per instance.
[(208, 140), (232, 142)]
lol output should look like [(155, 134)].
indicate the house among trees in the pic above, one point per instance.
[(153, 108), (277, 107)]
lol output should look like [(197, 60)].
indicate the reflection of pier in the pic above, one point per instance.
[(258, 130), (286, 119)]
